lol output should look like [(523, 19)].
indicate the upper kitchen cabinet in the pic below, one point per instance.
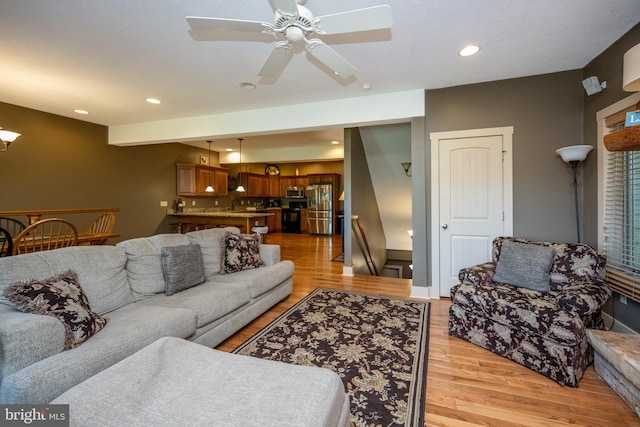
[(193, 179), (258, 185), (186, 180)]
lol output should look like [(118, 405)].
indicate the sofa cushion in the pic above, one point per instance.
[(130, 328), (199, 386), (522, 309), (182, 267), (525, 265), (260, 280), (211, 242), (100, 269), (59, 296), (144, 266), (240, 252), (209, 301)]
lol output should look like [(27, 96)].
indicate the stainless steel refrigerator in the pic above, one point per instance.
[(320, 208)]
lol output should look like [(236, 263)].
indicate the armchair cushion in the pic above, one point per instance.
[(480, 274), (525, 265), (584, 299), (521, 309)]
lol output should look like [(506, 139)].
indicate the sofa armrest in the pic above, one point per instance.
[(584, 299), (26, 339), (481, 274), (270, 254)]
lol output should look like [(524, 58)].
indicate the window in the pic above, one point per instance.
[(621, 226), (622, 222)]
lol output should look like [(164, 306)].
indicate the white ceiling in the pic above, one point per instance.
[(108, 56)]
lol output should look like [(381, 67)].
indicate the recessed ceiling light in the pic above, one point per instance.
[(469, 50), (229, 149), (81, 111), (153, 101), (335, 142), (248, 86)]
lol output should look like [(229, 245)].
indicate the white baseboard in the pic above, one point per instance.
[(422, 292), (347, 271), (617, 326)]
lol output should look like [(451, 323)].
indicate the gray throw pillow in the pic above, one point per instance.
[(182, 267), (525, 265)]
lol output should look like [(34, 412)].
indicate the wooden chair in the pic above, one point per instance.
[(44, 235), (102, 225), (11, 225), (6, 243)]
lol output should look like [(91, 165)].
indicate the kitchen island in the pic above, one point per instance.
[(244, 220)]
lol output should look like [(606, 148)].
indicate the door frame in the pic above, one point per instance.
[(436, 139)]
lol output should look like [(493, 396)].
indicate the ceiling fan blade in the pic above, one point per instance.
[(286, 7), (276, 60), (330, 58), (371, 18), (208, 24)]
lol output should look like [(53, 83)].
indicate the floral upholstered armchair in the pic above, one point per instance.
[(533, 305)]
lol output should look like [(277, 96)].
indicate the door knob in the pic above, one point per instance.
[(445, 226)]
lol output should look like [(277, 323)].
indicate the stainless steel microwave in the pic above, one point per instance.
[(295, 193)]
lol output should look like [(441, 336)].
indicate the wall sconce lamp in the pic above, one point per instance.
[(6, 138), (407, 167), (631, 70), (574, 155), (209, 188)]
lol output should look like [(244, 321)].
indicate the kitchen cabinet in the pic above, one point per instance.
[(292, 181), (274, 186), (185, 180), (191, 180), (304, 221), (274, 222), (255, 184)]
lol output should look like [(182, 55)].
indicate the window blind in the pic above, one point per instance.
[(622, 222)]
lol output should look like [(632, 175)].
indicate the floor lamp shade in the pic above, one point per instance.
[(631, 70)]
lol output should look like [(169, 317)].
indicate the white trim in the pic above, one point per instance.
[(435, 137), (392, 107), (422, 292), (617, 326), (347, 271), (600, 116)]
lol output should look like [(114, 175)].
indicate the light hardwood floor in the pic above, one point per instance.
[(466, 385)]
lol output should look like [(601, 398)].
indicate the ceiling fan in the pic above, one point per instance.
[(297, 24)]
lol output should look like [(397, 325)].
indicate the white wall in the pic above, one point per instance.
[(386, 147)]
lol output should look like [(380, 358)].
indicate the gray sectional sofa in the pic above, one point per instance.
[(125, 284)]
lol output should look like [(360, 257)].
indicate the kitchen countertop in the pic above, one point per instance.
[(227, 214)]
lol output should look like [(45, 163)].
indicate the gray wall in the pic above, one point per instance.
[(546, 113), (607, 67)]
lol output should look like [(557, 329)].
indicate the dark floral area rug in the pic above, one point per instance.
[(377, 345)]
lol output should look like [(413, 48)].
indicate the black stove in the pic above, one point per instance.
[(292, 217)]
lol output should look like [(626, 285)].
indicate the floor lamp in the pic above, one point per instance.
[(573, 155)]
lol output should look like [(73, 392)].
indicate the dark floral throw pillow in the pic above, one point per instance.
[(240, 252), (62, 297)]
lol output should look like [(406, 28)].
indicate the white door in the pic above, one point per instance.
[(474, 199)]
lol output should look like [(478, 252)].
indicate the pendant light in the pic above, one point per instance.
[(240, 188), (209, 188)]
